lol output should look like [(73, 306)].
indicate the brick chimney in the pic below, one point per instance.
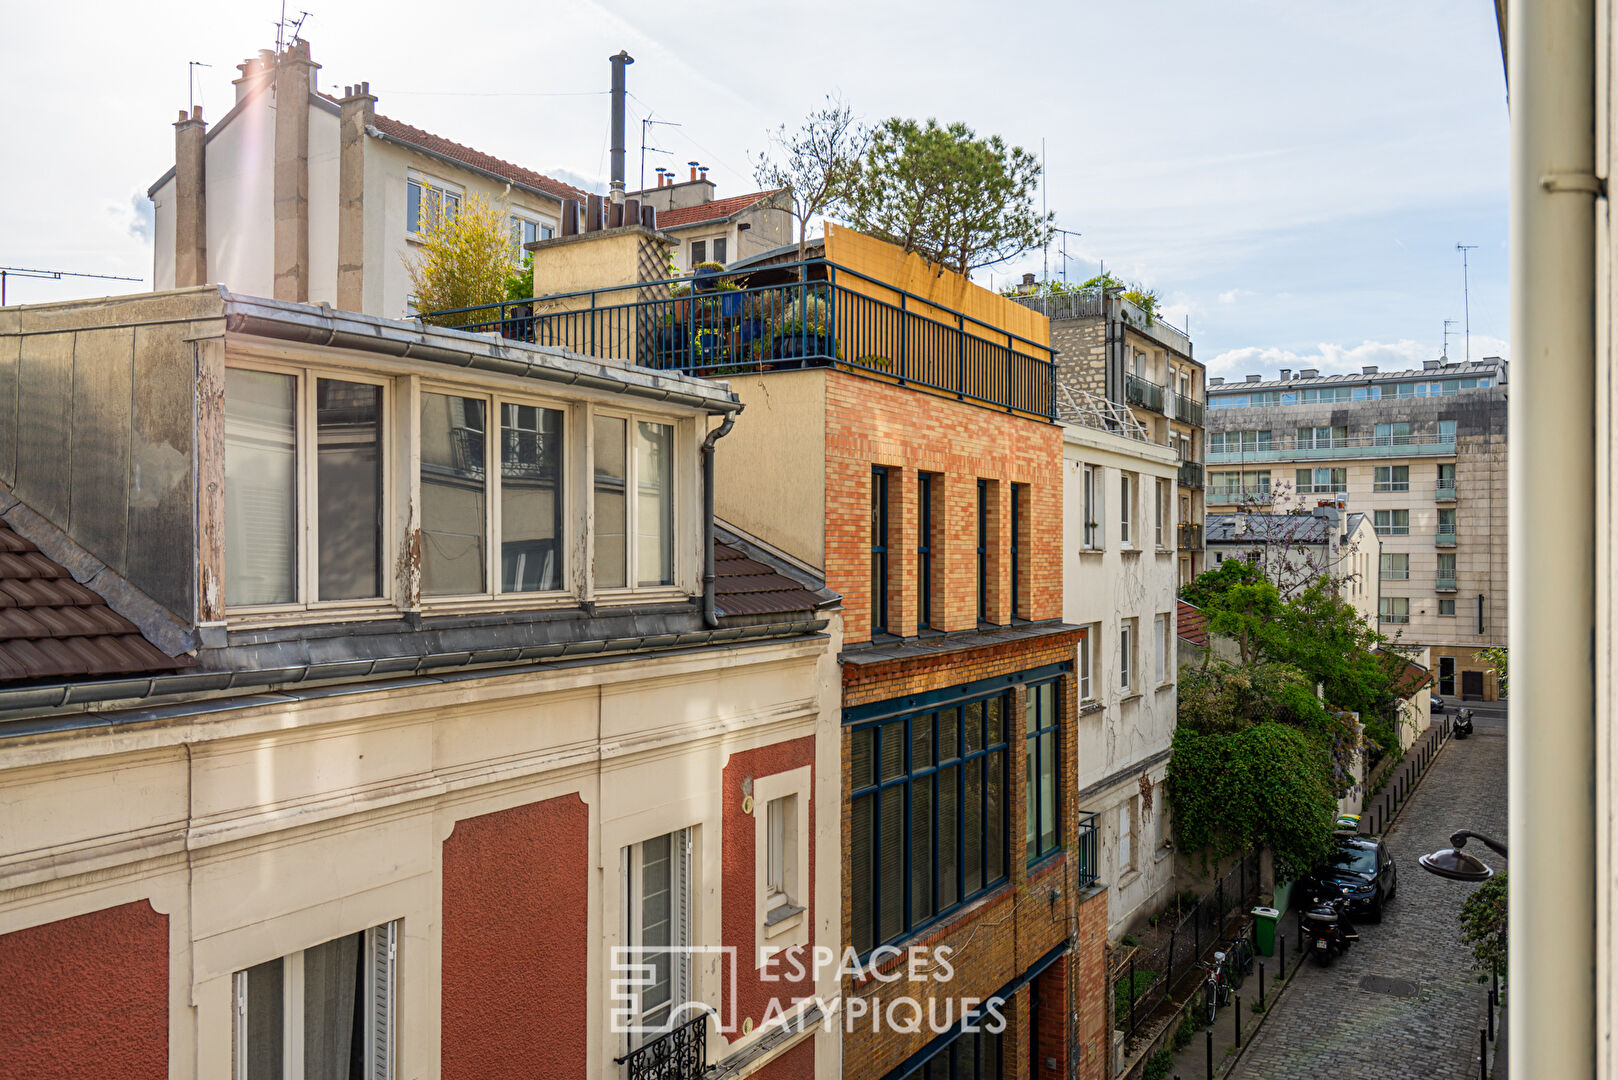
[(190, 201), (358, 107), (294, 78)]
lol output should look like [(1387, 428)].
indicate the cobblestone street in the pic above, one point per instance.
[(1326, 1025)]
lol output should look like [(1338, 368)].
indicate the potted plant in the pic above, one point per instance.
[(680, 299), (707, 276)]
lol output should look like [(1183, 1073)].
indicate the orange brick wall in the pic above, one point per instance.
[(870, 423)]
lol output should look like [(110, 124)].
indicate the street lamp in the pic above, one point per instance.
[(1457, 865)]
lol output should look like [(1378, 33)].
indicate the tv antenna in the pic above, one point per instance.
[(1447, 324), (1466, 295), (1065, 233), (281, 28), (50, 275), (645, 127), (191, 85)]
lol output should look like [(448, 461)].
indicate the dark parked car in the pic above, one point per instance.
[(1438, 704), (1362, 873)]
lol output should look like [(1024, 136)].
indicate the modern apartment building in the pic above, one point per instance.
[(1120, 577), (1423, 453), (1110, 347), (379, 700)]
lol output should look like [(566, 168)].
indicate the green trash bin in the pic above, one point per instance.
[(1264, 920)]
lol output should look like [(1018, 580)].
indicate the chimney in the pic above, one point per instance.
[(693, 171), (1431, 365), (294, 77), (619, 63), (1368, 369), (1286, 374), (703, 169), (1217, 380), (357, 109), (190, 200), (256, 71), (1309, 373), (1255, 378)]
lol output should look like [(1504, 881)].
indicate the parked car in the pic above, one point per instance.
[(1362, 872), (1438, 704)]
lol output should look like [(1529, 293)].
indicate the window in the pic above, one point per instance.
[(425, 200), (1019, 492), (1392, 522), (1160, 627), (532, 508), (1092, 508), (633, 456), (272, 487), (324, 1012), (1446, 481), (657, 872), (1126, 509), (970, 1055), (1160, 507), (1393, 434), (924, 551), (719, 250), (928, 827), (1446, 431), (1446, 526), (525, 231), (1446, 607), (1395, 567), (781, 855), (1322, 481), (1446, 570), (1086, 648), (1126, 835), (1126, 656), (699, 252), (1367, 393), (983, 551), (1040, 723), (879, 550), (1394, 609), (1392, 478)]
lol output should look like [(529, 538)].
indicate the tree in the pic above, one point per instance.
[(1136, 293), (465, 260), (951, 197), (818, 163), (1483, 927), (1495, 657)]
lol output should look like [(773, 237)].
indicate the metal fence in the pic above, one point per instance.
[(727, 324), (681, 1053), (1085, 843), (1146, 977)]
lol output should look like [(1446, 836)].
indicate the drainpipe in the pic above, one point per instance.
[(1551, 50), (710, 617)]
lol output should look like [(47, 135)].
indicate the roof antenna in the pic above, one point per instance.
[(1466, 295), (645, 127), (282, 27), (191, 85), (1445, 355)]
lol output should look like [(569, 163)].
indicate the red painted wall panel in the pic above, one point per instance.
[(796, 1064), (516, 898), (87, 998)]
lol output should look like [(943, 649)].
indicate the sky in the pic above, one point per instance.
[(1292, 179)]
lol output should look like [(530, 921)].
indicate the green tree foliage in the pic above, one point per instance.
[(465, 259), (1495, 657), (1136, 293), (951, 197), (819, 162), (1483, 926)]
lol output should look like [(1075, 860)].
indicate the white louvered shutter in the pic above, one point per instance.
[(382, 948)]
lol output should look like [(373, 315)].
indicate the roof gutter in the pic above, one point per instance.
[(378, 133)]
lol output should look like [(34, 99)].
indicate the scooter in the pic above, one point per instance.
[(1326, 928), (1463, 723)]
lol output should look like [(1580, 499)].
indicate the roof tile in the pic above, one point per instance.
[(477, 159), (744, 586), (716, 210)]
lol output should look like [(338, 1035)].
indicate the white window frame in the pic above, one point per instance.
[(306, 467), (1095, 525), (1126, 836), (1126, 509), (542, 227), (1165, 642), (677, 439), (781, 907), (1162, 505), (1126, 658), (429, 183), (1085, 664), (681, 910)]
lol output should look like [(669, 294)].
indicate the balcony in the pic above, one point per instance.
[(1089, 864), (1240, 493), (680, 1053), (769, 320), (1291, 448), (1187, 410), (1190, 537), (1191, 474), (1446, 582), (1445, 491), (1139, 391), (1445, 537)]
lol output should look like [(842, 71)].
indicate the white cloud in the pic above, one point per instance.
[(1230, 296), (1334, 359)]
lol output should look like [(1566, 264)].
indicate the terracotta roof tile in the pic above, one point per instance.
[(744, 586), (1191, 623), (717, 210), (51, 627), (477, 159)]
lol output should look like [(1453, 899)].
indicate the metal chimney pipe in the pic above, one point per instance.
[(619, 62)]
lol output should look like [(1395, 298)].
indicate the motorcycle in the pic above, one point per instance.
[(1326, 928), (1463, 723)]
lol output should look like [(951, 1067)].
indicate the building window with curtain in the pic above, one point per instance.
[(928, 826), (879, 550), (1042, 793)]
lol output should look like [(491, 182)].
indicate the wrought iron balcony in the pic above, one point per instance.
[(1190, 537), (1139, 391), (1446, 490), (767, 319), (680, 1053), (1446, 583), (1191, 474), (1084, 845), (1189, 410), (1445, 536)]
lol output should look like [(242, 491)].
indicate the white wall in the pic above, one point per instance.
[(325, 151), (240, 192), (1123, 736)]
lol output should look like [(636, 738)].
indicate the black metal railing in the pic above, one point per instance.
[(1190, 537), (727, 324), (1190, 410), (1089, 868), (1191, 474), (1175, 944), (680, 1053), (1142, 392)]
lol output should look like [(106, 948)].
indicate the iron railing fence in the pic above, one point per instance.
[(1240, 493), (1445, 536), (1445, 491), (1089, 868), (1147, 977), (1191, 474), (1143, 392), (681, 1053), (1190, 410), (1190, 537), (1446, 583), (725, 325)]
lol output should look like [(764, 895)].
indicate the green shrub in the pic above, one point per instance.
[(1186, 1030), (1158, 1065), (1125, 991)]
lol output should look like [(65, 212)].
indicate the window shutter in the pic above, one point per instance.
[(382, 947)]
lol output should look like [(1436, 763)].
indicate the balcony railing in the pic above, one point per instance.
[(1084, 844), (1190, 537), (1445, 537), (1191, 474), (1446, 491), (1446, 583), (1292, 448), (1180, 407), (768, 320), (680, 1053), (1233, 493), (1139, 391)]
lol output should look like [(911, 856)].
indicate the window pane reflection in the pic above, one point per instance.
[(654, 467), (454, 508), (348, 462), (611, 505), (531, 500), (260, 488)]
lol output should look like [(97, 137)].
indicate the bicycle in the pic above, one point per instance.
[(1241, 956), (1216, 987)]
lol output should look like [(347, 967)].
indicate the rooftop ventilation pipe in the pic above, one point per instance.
[(619, 62)]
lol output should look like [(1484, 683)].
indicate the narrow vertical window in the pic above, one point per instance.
[(1161, 509), (879, 550), (1126, 510), (924, 551), (1161, 633), (611, 503), (1040, 722), (1086, 646), (454, 493), (348, 485), (1018, 493), (658, 928), (654, 505), (531, 502), (261, 548), (1126, 667), (983, 551)]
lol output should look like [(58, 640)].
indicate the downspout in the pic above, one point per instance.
[(1552, 410), (710, 618)]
